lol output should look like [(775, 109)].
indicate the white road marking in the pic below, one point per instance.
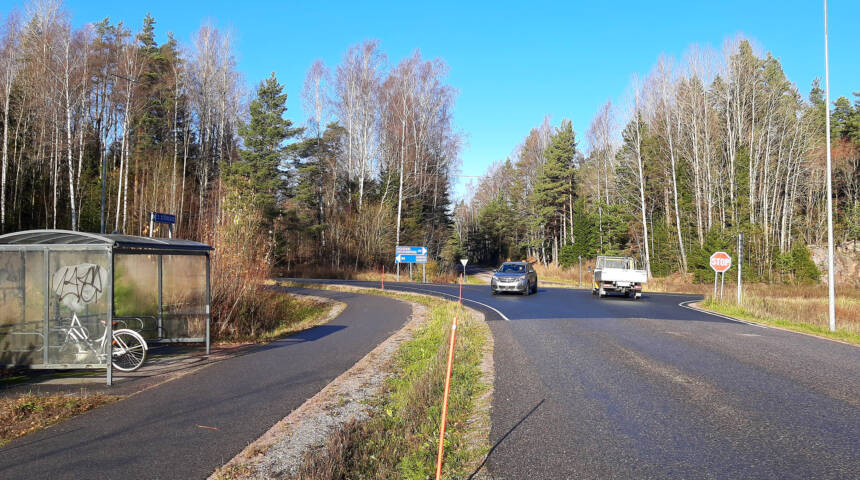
[(456, 297)]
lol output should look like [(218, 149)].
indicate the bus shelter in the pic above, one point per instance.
[(63, 292)]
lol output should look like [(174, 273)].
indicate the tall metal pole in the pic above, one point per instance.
[(831, 281), (740, 265), (104, 176)]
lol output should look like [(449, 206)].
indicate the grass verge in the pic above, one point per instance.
[(27, 413), (400, 438), (805, 315), (275, 315)]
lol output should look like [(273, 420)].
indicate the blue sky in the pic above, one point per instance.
[(512, 62)]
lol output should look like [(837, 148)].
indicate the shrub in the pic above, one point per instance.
[(240, 265), (803, 269)]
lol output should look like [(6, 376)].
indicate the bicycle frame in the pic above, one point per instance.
[(80, 336)]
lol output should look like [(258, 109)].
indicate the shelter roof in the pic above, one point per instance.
[(122, 243)]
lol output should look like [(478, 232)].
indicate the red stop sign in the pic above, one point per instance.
[(721, 262)]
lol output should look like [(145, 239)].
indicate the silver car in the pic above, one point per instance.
[(519, 277)]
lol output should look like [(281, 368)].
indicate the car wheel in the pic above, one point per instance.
[(527, 290), (534, 289)]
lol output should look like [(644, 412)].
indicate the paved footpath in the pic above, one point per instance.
[(188, 427)]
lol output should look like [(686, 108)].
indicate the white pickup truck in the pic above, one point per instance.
[(618, 274)]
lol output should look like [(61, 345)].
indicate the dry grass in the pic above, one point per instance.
[(27, 413), (270, 314), (569, 276), (801, 308), (436, 273)]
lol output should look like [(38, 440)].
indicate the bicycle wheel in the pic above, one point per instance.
[(128, 350)]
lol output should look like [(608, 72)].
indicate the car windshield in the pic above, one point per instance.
[(512, 268), (616, 263)]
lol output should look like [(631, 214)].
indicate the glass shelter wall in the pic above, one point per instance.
[(162, 297), (54, 307), (185, 292), (135, 295), (79, 305), (22, 307)]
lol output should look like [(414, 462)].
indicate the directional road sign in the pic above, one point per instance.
[(163, 218), (411, 251), (402, 258)]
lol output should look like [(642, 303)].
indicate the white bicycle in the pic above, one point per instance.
[(128, 348), (78, 286)]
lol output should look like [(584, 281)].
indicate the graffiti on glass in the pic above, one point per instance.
[(79, 285)]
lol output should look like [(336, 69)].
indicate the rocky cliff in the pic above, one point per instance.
[(846, 263)]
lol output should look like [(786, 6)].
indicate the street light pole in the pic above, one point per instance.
[(831, 280), (104, 181)]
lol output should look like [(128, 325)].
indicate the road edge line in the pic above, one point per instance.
[(454, 297)]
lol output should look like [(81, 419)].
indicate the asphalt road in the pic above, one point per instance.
[(618, 388), (186, 428)]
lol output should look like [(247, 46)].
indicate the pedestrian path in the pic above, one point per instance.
[(188, 427)]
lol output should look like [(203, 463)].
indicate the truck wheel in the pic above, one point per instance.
[(601, 293), (637, 296)]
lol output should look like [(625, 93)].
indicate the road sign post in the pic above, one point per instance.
[(580, 271), (720, 262)]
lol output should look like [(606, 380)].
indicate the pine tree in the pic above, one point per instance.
[(553, 188), (258, 177)]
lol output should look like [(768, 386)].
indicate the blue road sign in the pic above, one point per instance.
[(402, 258), (411, 251), (163, 218)]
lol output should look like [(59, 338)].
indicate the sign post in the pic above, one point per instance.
[(720, 262), (580, 271)]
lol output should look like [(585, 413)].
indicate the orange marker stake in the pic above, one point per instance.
[(445, 401), (461, 290)]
